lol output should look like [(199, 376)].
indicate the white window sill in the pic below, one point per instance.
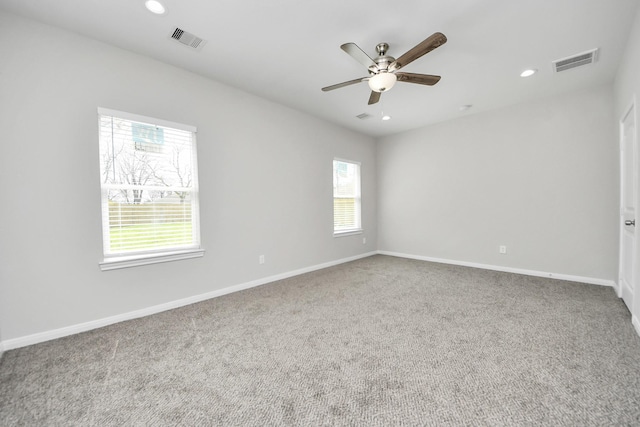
[(347, 232), (137, 260)]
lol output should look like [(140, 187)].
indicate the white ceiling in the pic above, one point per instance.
[(286, 50)]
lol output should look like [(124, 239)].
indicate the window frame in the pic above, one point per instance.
[(113, 261), (357, 197)]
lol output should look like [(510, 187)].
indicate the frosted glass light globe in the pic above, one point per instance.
[(382, 82)]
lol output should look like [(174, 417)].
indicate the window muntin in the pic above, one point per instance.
[(149, 185), (346, 197)]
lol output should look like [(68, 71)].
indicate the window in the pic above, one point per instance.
[(346, 197), (149, 182)]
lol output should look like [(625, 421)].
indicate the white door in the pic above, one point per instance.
[(628, 200)]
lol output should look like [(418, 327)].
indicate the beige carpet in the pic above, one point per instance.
[(376, 342)]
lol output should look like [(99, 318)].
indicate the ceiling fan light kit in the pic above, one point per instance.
[(383, 71), (382, 82)]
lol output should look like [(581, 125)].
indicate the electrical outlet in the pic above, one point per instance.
[(503, 249), (261, 259), (364, 240)]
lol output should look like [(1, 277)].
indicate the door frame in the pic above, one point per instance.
[(632, 110)]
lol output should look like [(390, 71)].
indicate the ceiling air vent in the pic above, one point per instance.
[(187, 39), (574, 61), (363, 116)]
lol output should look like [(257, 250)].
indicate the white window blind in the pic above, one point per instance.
[(346, 197), (149, 181)]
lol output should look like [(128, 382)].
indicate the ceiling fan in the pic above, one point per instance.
[(383, 71)]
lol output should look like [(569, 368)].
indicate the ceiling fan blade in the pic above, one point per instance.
[(422, 79), (375, 97), (427, 45), (343, 84), (359, 55)]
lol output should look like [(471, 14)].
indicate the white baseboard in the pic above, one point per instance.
[(99, 323), (589, 280), (617, 288), (636, 323)]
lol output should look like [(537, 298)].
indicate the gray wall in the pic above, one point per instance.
[(540, 178), (265, 178)]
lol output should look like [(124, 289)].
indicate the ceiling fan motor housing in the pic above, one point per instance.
[(382, 80), (383, 61)]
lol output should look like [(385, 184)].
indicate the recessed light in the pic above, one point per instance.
[(529, 72), (386, 117), (465, 107), (155, 6)]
